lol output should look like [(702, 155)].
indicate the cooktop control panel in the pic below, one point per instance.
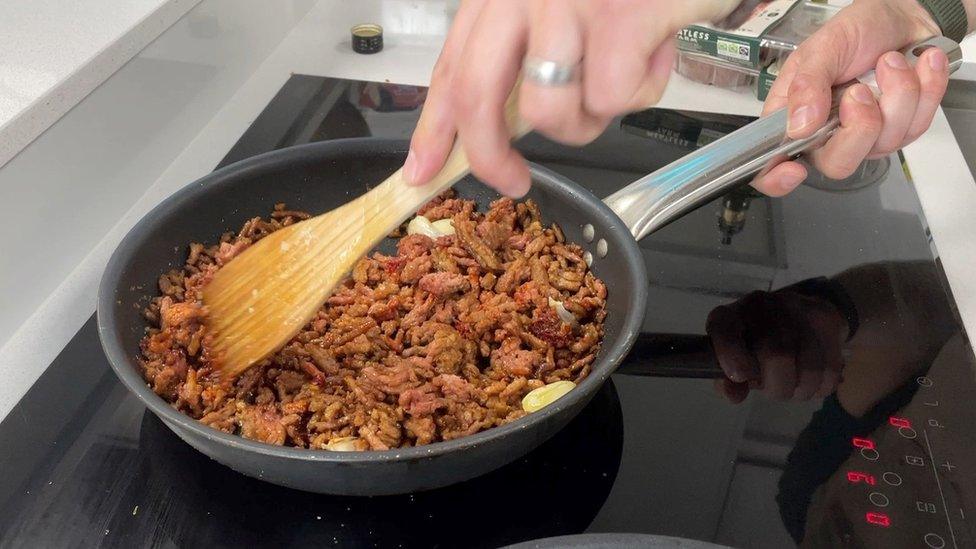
[(908, 483)]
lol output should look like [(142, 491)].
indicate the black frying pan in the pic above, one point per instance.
[(321, 176)]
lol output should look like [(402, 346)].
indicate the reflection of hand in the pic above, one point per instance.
[(782, 343), (860, 37), (625, 48)]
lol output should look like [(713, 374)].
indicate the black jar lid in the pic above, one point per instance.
[(367, 38)]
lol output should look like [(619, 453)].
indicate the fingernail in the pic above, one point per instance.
[(895, 60), (862, 95), (938, 60), (518, 190), (410, 168), (800, 118), (788, 184), (778, 185)]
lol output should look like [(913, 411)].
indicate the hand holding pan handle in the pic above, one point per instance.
[(672, 191)]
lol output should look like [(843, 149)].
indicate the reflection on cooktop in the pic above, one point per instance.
[(557, 489)]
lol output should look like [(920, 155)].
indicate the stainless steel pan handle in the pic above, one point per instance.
[(672, 191)]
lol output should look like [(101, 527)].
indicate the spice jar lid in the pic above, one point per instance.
[(367, 38)]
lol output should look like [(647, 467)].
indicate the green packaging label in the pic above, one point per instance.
[(736, 49)]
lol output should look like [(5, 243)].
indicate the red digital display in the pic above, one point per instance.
[(863, 443), (878, 519), (856, 476), (900, 422)]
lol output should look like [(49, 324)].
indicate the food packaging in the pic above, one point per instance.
[(748, 57)]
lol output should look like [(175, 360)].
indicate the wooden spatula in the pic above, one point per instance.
[(263, 297)]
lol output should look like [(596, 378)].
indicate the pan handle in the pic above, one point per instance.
[(694, 180), (672, 355)]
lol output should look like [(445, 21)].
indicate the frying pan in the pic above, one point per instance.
[(315, 178), (321, 176)]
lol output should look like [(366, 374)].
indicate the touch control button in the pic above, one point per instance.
[(907, 432), (915, 460), (879, 499), (934, 540), (892, 478)]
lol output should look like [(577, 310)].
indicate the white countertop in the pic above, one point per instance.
[(220, 66), (54, 53)]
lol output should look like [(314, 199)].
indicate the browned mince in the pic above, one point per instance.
[(440, 341)]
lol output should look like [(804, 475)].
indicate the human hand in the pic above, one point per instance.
[(625, 48), (784, 344), (860, 37)]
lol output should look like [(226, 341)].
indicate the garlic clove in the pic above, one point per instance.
[(541, 397), (563, 313), (343, 444), (435, 229)]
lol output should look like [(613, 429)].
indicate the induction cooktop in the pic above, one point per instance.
[(885, 461)]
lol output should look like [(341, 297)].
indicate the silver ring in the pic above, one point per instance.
[(548, 73)]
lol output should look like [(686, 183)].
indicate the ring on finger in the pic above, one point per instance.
[(549, 73)]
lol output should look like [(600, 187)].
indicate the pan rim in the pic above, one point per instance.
[(123, 361)]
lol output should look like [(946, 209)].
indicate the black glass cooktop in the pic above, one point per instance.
[(886, 460)]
